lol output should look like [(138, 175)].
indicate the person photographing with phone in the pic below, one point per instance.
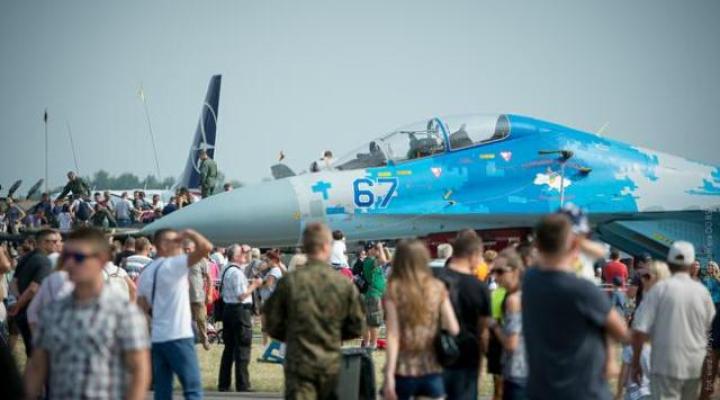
[(374, 277)]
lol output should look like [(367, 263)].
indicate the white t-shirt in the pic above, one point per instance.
[(337, 257), (171, 319), (677, 314), (267, 291), (116, 279), (65, 222)]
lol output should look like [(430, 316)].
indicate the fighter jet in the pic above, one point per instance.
[(484, 172)]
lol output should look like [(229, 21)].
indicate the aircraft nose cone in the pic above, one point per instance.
[(264, 215)]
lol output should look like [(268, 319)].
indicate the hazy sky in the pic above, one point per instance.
[(303, 76)]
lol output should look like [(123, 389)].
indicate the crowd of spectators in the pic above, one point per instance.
[(102, 210), (525, 314)]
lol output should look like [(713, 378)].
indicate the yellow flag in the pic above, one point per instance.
[(141, 93)]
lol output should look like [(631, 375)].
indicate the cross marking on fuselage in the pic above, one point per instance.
[(322, 187)]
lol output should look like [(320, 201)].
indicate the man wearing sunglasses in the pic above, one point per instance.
[(92, 343), (29, 274), (164, 292)]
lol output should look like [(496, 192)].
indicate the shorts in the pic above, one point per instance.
[(494, 354), (374, 310), (407, 387)]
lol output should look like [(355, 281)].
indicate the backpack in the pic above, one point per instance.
[(84, 211), (117, 283)]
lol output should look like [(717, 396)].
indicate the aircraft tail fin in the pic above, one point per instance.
[(34, 189), (204, 136), (15, 186)]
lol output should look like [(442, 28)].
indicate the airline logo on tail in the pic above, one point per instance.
[(205, 135)]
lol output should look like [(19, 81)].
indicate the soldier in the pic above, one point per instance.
[(208, 174), (312, 310), (75, 185)]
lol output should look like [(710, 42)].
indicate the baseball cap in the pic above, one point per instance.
[(681, 253)]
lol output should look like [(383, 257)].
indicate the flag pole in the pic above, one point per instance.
[(141, 93), (72, 147), (45, 121)]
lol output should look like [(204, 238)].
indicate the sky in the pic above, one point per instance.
[(305, 76)]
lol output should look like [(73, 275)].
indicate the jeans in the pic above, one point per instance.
[(513, 390), (411, 387), (237, 335), (461, 383), (176, 357), (123, 222)]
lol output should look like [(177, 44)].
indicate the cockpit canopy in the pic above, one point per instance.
[(426, 138)]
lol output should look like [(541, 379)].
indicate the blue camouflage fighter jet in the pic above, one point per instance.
[(479, 171)]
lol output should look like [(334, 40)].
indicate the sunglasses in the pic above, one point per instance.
[(645, 276), (79, 258), (499, 271)]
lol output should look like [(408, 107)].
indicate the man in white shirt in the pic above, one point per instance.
[(163, 292), (675, 316), (236, 292)]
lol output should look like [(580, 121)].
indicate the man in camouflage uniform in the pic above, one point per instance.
[(75, 185), (208, 174), (312, 310)]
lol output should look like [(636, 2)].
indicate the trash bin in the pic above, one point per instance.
[(348, 387)]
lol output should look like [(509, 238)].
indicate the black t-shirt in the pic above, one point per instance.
[(563, 325), (471, 301), (33, 267), (121, 256)]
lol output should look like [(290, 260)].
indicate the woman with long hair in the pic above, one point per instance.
[(417, 305), (508, 270)]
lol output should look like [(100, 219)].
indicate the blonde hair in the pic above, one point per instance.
[(444, 250), (659, 270), (410, 281)]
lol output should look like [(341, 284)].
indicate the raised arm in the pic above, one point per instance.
[(202, 246)]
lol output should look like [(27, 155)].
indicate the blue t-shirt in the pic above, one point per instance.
[(713, 286), (563, 324)]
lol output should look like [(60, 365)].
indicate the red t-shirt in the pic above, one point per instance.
[(613, 269)]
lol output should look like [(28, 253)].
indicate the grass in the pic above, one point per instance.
[(264, 377)]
